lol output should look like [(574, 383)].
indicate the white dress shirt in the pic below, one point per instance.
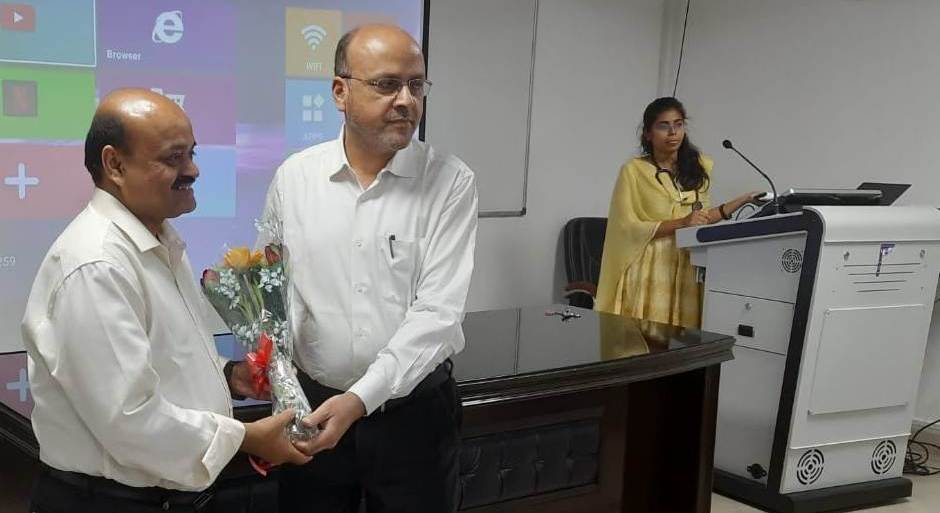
[(124, 373), (381, 274)]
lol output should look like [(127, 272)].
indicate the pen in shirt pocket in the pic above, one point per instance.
[(391, 250)]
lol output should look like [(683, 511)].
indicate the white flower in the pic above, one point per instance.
[(280, 334), (247, 334), (271, 277), (269, 227), (230, 287)]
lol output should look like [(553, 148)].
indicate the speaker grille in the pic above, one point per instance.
[(810, 467), (791, 261), (883, 457)]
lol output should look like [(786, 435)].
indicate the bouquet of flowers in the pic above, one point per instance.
[(250, 290)]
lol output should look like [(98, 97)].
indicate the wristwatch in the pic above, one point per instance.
[(227, 370)]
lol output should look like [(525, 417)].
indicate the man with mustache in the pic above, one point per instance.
[(381, 231), (132, 409)]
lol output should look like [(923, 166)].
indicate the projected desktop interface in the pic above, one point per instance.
[(254, 78)]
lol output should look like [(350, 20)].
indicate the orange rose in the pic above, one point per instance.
[(242, 258)]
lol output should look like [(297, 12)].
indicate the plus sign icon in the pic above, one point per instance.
[(14, 383), (42, 182), (21, 180)]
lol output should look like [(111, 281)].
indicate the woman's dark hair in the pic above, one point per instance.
[(689, 173)]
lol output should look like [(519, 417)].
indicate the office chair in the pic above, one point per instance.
[(584, 245)]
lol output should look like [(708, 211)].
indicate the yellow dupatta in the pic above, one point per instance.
[(638, 205)]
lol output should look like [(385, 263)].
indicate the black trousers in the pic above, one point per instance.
[(401, 460), (69, 492)]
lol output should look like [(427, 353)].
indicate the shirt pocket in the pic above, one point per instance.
[(400, 255)]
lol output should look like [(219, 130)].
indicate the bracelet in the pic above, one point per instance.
[(721, 210), (227, 370)]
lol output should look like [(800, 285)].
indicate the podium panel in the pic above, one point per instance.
[(860, 365), (761, 324), (748, 399)]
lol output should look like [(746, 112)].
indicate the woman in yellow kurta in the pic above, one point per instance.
[(643, 274)]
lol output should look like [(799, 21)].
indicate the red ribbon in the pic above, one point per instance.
[(258, 361), (261, 467)]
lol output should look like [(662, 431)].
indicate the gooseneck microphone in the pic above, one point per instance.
[(727, 144)]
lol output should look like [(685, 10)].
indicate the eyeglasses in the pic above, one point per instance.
[(391, 86), (666, 127)]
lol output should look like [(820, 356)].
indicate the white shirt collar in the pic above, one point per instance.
[(402, 164), (112, 208)]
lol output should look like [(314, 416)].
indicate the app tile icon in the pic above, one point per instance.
[(310, 41), (353, 19), (19, 97), (23, 244), (43, 181), (17, 17), (209, 100), (198, 35), (179, 99), (14, 383), (168, 27), (310, 115), (313, 35), (46, 102), (59, 32), (312, 108), (215, 189), (21, 180)]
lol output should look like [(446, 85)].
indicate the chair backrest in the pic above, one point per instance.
[(584, 245)]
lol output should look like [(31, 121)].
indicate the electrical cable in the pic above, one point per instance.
[(685, 26), (740, 212), (917, 457)]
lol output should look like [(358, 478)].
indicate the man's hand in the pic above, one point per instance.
[(267, 439), (241, 383), (333, 417)]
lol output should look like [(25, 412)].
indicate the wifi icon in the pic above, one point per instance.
[(313, 35)]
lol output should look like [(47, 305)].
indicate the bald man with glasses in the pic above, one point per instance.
[(382, 230)]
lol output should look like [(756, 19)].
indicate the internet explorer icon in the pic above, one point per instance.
[(168, 27)]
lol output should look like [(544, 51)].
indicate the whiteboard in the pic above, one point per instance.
[(481, 57)]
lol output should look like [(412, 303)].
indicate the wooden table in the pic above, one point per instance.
[(597, 413)]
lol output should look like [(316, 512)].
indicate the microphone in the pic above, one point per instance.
[(727, 144)]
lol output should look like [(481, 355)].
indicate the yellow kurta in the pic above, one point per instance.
[(641, 276)]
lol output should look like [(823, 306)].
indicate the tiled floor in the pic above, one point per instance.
[(926, 499)]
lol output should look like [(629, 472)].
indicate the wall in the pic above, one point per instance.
[(597, 65), (819, 94)]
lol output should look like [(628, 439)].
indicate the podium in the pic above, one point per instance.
[(830, 307)]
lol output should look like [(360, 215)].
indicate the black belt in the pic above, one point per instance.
[(108, 488), (436, 378)]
